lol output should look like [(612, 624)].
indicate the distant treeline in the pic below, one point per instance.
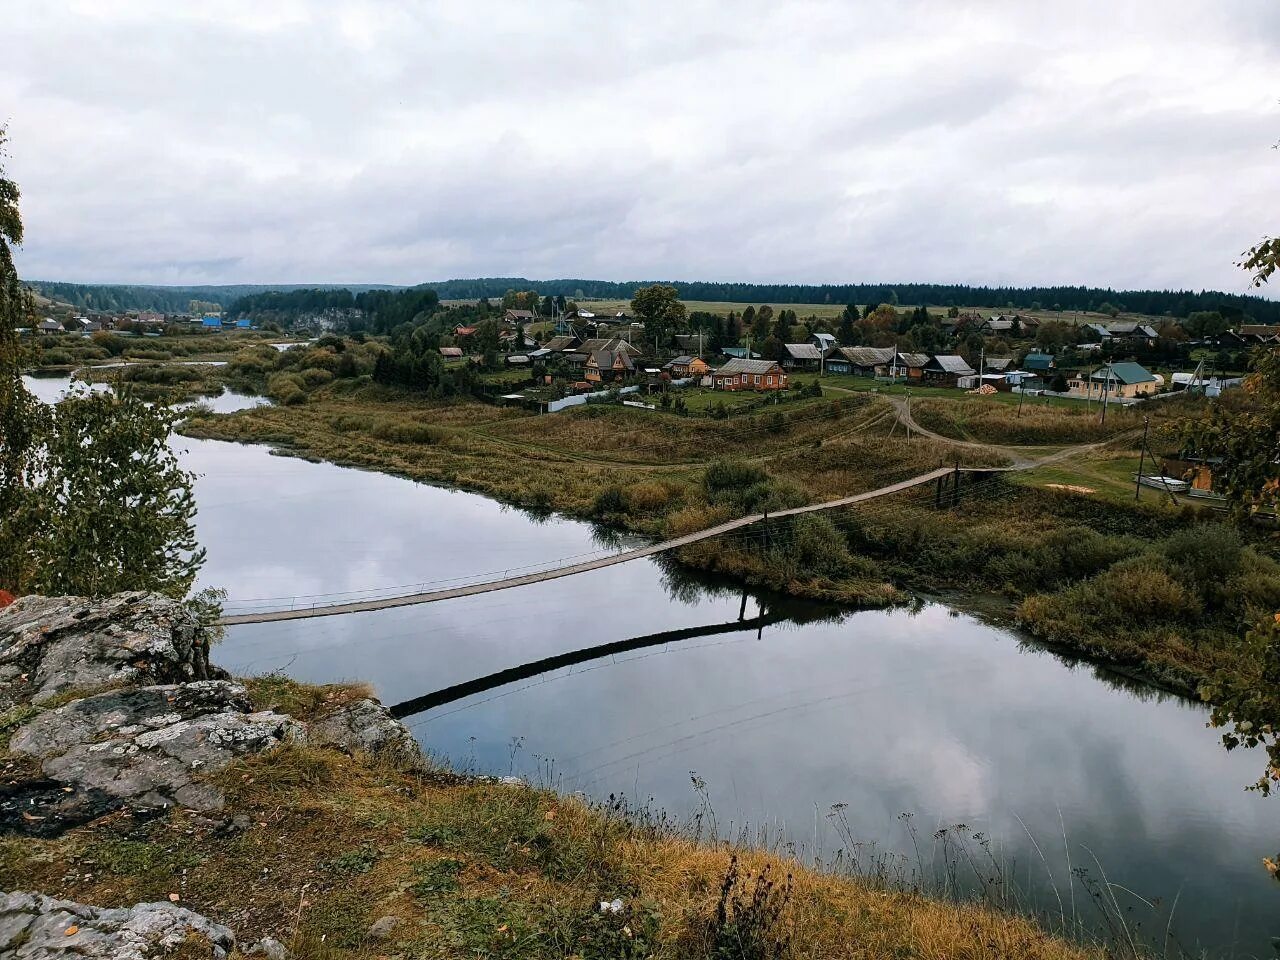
[(90, 296), (380, 310), (1176, 303)]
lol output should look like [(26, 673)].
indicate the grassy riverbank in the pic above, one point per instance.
[(315, 846), (1161, 590)]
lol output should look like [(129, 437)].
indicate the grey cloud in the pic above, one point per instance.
[(810, 140)]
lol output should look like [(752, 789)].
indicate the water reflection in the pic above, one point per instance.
[(795, 709), (909, 710)]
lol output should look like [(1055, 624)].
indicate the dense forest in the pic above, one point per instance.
[(93, 296), (1176, 303)]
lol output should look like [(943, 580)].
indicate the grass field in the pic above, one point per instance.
[(832, 311), (315, 845)]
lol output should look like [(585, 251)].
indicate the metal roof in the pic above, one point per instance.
[(867, 356), (954, 364), (748, 366), (803, 351), (1126, 373)]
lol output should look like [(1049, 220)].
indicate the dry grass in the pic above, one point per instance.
[(474, 869), (996, 420)]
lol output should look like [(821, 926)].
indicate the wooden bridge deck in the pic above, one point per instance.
[(569, 570)]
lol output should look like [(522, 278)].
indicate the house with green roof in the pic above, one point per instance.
[(1119, 381)]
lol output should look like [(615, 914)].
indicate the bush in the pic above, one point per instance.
[(648, 497), (314, 377), (398, 431), (726, 476), (1141, 589), (609, 501), (1206, 555)]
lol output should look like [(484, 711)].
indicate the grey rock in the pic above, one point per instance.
[(383, 927), (268, 947), (52, 645), (145, 748), (363, 725), (34, 927)]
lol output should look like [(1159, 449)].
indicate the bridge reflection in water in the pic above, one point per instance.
[(534, 668)]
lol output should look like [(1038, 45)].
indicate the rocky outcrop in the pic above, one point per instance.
[(147, 748), (53, 646), (363, 725), (36, 927), (152, 721)]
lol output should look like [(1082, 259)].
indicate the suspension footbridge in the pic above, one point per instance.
[(299, 609)]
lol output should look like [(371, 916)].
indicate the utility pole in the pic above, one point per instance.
[(1142, 459), (1106, 393)]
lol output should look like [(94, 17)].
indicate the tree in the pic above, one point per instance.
[(1242, 430), (92, 500), (1205, 323), (117, 511), (845, 333), (772, 348), (782, 327), (21, 416), (659, 308), (1262, 260)]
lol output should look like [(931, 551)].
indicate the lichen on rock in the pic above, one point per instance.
[(36, 927), (52, 646)]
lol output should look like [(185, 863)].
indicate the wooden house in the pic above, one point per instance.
[(945, 370), (750, 375), (608, 366), (686, 366), (1117, 380)]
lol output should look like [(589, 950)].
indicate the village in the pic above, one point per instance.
[(581, 356)]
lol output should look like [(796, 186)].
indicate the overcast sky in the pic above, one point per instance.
[(996, 141)]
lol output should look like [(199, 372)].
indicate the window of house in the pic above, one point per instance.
[(757, 380)]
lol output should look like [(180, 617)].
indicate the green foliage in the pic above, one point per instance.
[(659, 308), (1262, 260), (113, 508), (1246, 698), (359, 860), (1242, 429), (92, 499), (748, 926), (436, 877)]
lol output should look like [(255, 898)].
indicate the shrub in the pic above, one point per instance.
[(1205, 555), (609, 501), (1141, 589), (646, 497), (398, 431), (314, 377), (726, 476)]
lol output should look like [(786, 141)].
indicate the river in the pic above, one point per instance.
[(927, 712)]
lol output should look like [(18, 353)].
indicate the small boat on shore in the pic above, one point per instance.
[(1157, 482)]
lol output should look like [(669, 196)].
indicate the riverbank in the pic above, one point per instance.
[(1156, 591), (309, 821)]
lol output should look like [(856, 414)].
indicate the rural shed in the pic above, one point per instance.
[(945, 370), (801, 356)]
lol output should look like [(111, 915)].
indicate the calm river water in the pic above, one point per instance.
[(927, 712)]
